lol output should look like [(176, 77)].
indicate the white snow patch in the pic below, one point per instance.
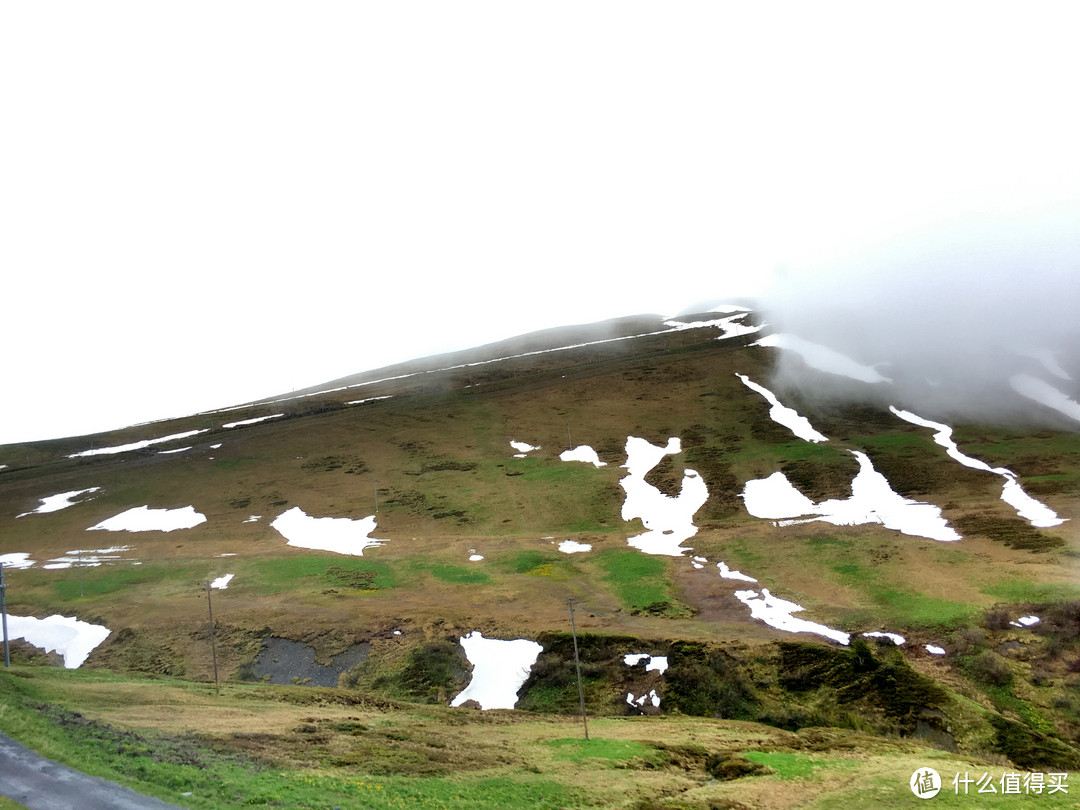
[(87, 557), (872, 501), (252, 519), (368, 399), (215, 446), (1035, 512), (145, 519), (583, 453), (54, 503), (123, 448), (659, 663), (776, 612), (476, 557), (71, 638), (781, 414), (1025, 621), (649, 696), (669, 520), (1045, 394), (1048, 361), (177, 450), (221, 583), (727, 573), (339, 535), (500, 668), (935, 650), (823, 358), (523, 448), (16, 559), (731, 326), (574, 547), (257, 419), (655, 663), (897, 639), (226, 554)]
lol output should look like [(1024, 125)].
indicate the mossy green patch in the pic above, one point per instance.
[(575, 750), (1024, 590), (641, 582), (786, 765)]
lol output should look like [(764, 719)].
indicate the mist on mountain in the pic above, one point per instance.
[(950, 314)]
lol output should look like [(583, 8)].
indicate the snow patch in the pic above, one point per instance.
[(476, 557), (221, 583), (124, 448), (583, 453), (776, 612), (54, 503), (669, 520), (649, 696), (523, 448), (1045, 394), (935, 650), (16, 559), (74, 640), (1025, 621), (897, 639), (256, 420), (781, 414), (727, 573), (823, 358), (500, 669), (145, 519), (339, 535), (87, 557), (1035, 512), (574, 547), (872, 501)]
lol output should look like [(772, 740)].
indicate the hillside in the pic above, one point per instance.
[(722, 500)]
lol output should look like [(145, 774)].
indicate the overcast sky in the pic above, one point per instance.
[(203, 203)]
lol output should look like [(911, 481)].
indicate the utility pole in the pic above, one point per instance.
[(3, 612), (213, 642), (80, 575), (568, 436), (577, 665), (375, 485)]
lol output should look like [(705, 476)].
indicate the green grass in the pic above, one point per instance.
[(455, 574), (640, 581), (303, 571), (575, 750), (787, 766), (1024, 590)]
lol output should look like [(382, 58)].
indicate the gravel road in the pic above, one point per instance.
[(41, 784)]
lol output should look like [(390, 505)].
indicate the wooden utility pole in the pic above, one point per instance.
[(375, 486), (577, 665), (571, 441), (3, 612), (213, 641)]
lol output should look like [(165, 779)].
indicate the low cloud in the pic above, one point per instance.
[(949, 314)]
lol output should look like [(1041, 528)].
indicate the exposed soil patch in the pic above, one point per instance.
[(284, 661)]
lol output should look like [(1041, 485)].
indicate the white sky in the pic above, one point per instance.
[(207, 202)]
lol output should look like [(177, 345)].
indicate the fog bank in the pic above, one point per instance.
[(949, 314)]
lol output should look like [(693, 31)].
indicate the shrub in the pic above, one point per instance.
[(990, 668)]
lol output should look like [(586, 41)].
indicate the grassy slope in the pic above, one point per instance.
[(296, 747), (447, 483)]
